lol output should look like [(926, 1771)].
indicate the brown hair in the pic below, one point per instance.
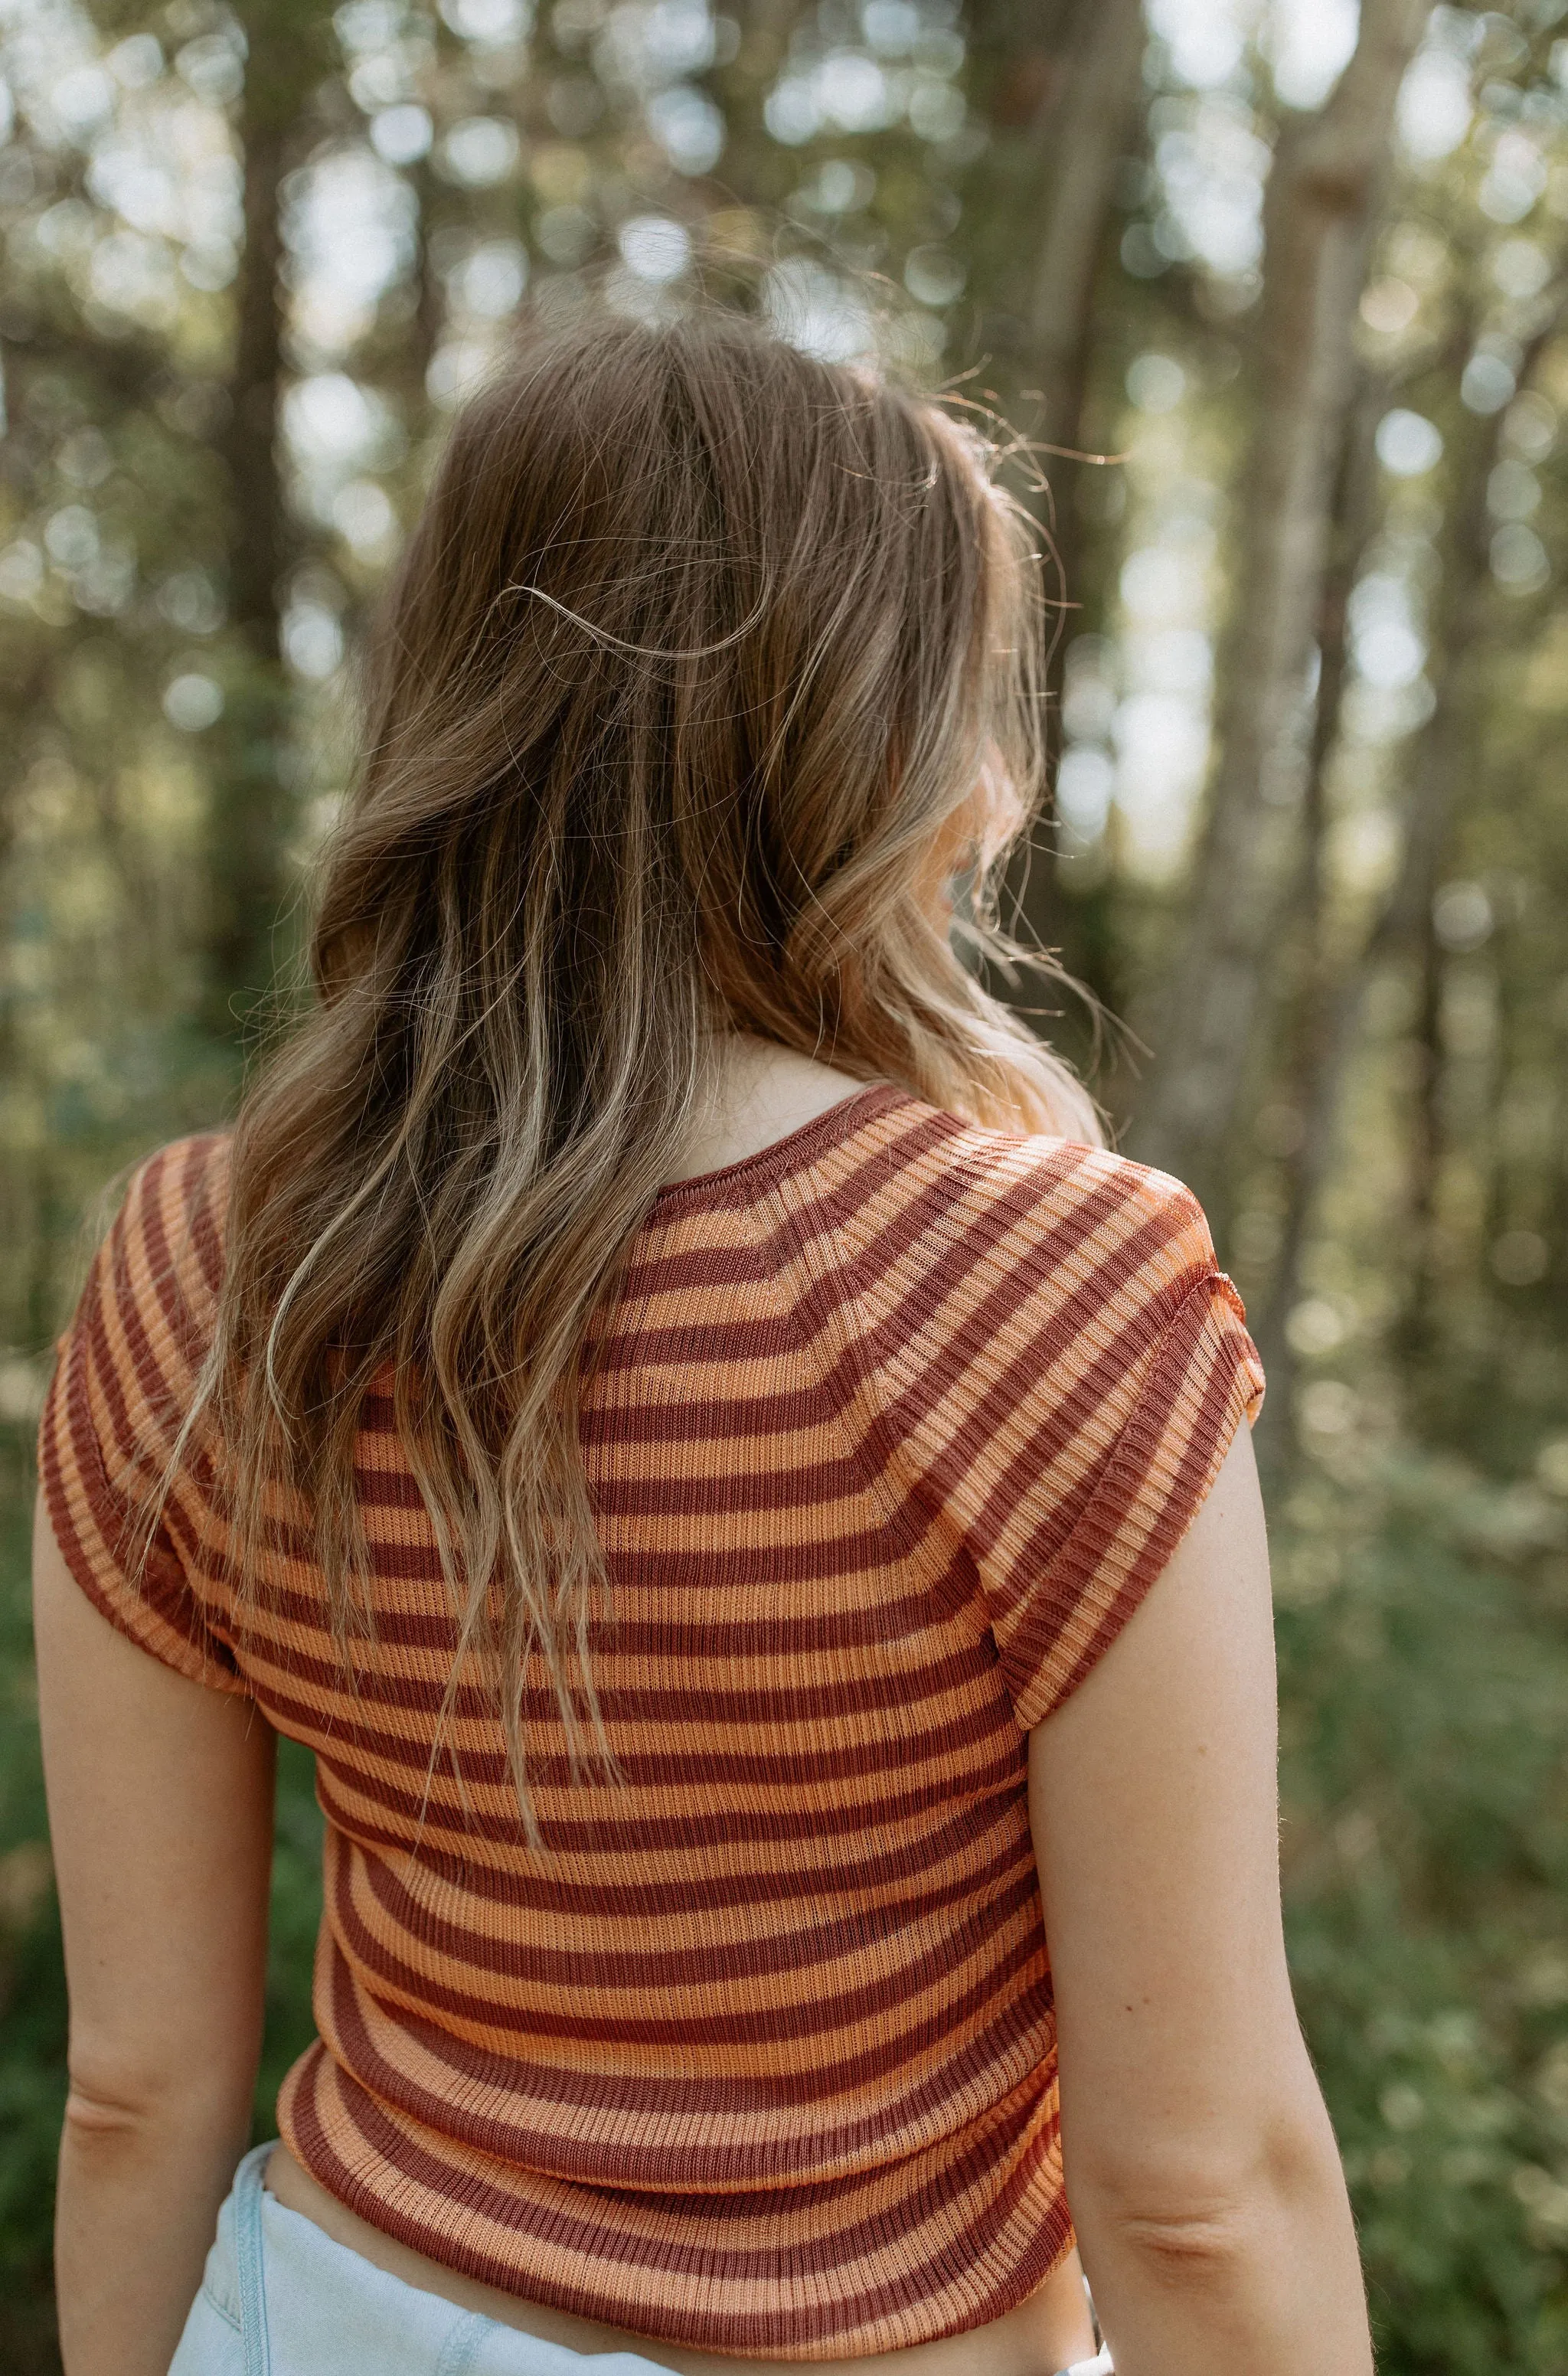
[(702, 655)]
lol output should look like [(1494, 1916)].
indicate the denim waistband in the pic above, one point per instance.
[(250, 2280), (470, 2344)]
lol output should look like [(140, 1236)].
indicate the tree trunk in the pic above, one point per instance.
[(1062, 84), (250, 445), (1404, 922), (1321, 207), (1081, 140), (1083, 147), (1414, 1326), (1311, 990), (249, 809)]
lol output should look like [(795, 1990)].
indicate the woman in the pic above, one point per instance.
[(664, 1392)]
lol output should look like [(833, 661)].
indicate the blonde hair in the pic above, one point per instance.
[(699, 651)]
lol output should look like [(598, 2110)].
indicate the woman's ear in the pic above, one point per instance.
[(999, 805), (979, 828)]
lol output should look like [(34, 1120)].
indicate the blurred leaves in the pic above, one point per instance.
[(1424, 1673), (255, 254)]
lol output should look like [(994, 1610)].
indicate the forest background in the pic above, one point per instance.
[(1299, 271)]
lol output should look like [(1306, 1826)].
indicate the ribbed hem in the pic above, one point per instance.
[(938, 2243)]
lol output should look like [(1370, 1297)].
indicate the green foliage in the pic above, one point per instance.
[(33, 1998), (296, 1912), (1424, 1669), (215, 439)]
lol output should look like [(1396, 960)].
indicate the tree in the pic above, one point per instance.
[(250, 806), (1321, 205)]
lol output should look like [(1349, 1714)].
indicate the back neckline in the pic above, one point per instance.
[(797, 1149)]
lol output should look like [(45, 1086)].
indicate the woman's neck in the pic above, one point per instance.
[(762, 1092)]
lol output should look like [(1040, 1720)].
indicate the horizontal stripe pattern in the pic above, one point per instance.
[(890, 1430)]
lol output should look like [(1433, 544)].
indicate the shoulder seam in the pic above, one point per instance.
[(876, 1431)]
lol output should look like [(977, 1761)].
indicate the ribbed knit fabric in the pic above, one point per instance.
[(890, 1429)]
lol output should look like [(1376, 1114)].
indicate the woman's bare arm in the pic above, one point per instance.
[(160, 1810), (1202, 2173)]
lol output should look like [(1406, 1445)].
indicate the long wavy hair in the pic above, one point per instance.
[(706, 665)]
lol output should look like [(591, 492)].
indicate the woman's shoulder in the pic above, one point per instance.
[(178, 1194), (944, 1190), (162, 1263)]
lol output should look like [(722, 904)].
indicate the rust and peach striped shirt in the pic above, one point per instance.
[(890, 1429)]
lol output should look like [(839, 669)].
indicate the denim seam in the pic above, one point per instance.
[(222, 2308), (461, 2346), (248, 2265)]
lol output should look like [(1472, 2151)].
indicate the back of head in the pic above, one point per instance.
[(705, 666)]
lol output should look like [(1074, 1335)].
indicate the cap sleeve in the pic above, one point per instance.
[(1062, 1367), (124, 1378)]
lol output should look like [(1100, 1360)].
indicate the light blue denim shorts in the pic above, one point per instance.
[(278, 2297)]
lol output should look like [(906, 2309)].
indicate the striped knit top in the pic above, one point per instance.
[(890, 1428)]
